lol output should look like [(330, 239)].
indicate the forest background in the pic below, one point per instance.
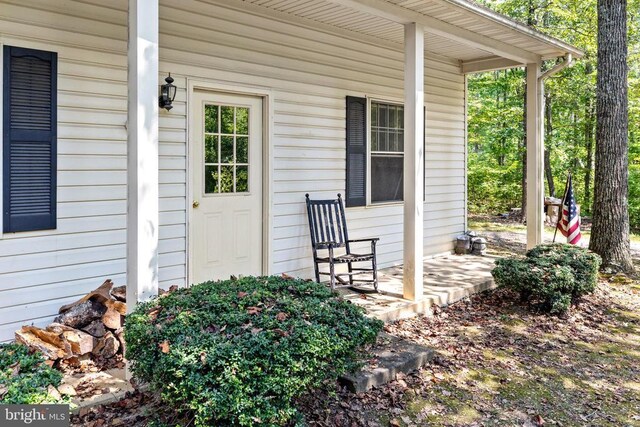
[(496, 113)]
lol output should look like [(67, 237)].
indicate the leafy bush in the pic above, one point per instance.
[(24, 377), (238, 351), (555, 274)]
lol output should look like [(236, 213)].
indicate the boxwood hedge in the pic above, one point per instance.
[(554, 275), (237, 352)]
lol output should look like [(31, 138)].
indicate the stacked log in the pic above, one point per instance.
[(88, 329)]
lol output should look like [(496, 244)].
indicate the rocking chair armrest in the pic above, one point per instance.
[(372, 239)]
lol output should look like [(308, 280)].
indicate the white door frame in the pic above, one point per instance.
[(265, 94)]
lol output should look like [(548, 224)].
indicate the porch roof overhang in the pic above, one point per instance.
[(460, 31)]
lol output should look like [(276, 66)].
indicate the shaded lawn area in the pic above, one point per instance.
[(503, 366), (500, 364)]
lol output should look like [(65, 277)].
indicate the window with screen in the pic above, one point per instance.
[(387, 152)]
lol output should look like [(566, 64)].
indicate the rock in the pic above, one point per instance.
[(120, 293), (107, 346), (50, 344), (81, 342), (112, 319), (67, 390), (82, 314), (95, 328), (101, 294)]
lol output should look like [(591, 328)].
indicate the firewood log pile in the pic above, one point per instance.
[(87, 331)]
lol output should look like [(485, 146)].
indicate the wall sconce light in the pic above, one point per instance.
[(167, 93)]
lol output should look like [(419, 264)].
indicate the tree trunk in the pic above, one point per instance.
[(548, 128), (588, 138), (610, 231)]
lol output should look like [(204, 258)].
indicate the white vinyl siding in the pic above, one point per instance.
[(309, 73)]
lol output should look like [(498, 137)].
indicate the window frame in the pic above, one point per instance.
[(387, 101)]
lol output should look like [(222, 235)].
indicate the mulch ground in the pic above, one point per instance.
[(498, 364)]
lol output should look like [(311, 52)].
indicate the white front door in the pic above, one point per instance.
[(225, 230)]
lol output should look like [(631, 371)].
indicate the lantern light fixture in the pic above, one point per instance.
[(167, 93)]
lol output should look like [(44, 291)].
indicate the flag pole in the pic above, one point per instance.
[(564, 197)]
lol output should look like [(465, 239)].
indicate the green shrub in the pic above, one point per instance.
[(554, 274), (237, 352), (24, 377), (583, 263)]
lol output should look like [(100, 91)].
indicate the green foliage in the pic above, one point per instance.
[(554, 274), (496, 101), (238, 351), (492, 188), (24, 377)]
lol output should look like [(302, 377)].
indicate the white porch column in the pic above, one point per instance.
[(413, 160), (535, 155), (142, 152)]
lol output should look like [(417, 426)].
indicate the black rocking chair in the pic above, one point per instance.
[(328, 229)]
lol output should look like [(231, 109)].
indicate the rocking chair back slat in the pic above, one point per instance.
[(327, 223)]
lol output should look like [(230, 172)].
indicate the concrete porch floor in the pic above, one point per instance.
[(447, 279)]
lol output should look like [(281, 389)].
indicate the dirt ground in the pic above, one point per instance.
[(497, 364)]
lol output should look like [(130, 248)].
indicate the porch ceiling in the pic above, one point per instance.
[(457, 21)]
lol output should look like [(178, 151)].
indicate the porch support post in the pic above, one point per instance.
[(535, 155), (413, 161), (142, 152)]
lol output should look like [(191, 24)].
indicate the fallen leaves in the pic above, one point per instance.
[(281, 317), (253, 310), (164, 346), (15, 369)]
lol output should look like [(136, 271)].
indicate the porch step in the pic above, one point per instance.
[(393, 355), (389, 305)]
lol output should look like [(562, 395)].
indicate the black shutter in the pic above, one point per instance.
[(356, 151), (29, 139)]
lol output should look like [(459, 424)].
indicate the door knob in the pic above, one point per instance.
[(195, 203)]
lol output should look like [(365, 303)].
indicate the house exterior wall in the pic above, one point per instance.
[(308, 73)]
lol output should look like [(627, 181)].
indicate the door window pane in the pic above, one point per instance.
[(211, 148), (242, 121), (211, 179), (227, 119), (211, 119), (242, 179), (226, 179), (226, 149), (242, 149)]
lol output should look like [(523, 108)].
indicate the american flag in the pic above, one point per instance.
[(569, 225)]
